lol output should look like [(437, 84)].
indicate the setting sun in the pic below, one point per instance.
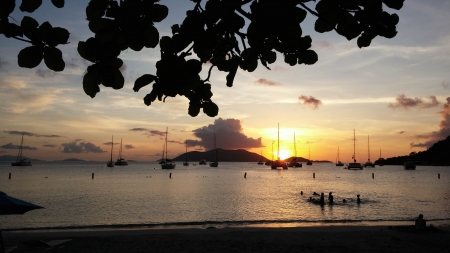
[(283, 154)]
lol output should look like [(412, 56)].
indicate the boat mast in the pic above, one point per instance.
[(167, 128), (354, 159), (272, 149), (112, 145), (295, 148), (19, 155), (368, 149), (186, 149), (338, 156), (278, 153), (215, 147)]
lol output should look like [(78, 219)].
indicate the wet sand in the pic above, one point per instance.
[(299, 239)]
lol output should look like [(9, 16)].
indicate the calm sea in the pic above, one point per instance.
[(143, 195)]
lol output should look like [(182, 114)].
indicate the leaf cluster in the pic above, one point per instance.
[(44, 38)]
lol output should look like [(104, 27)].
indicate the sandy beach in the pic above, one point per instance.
[(298, 239)]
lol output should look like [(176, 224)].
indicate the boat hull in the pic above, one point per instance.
[(168, 166), (21, 164), (213, 164), (354, 166)]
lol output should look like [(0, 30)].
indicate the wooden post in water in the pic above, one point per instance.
[(245, 175), (439, 175), (373, 176), (92, 175), (170, 175), (9, 175), (314, 175)]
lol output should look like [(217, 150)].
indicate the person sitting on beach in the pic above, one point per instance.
[(344, 201), (420, 223), (322, 199), (301, 192), (315, 193), (330, 198)]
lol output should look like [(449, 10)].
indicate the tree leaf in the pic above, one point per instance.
[(6, 7), (57, 36), (81, 51), (144, 80), (194, 109), (44, 30), (58, 3), (210, 109), (119, 81), (159, 12), (90, 87), (53, 59), (30, 57), (30, 5), (151, 37), (309, 57)]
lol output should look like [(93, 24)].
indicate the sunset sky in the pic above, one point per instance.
[(397, 91)]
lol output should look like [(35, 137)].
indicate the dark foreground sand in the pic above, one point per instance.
[(302, 239)]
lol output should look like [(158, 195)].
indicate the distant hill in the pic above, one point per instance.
[(438, 154), (239, 155), (71, 160), (10, 158)]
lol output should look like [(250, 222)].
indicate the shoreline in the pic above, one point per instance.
[(243, 239)]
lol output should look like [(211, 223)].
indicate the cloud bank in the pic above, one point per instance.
[(12, 146), (229, 135), (404, 102), (32, 134), (82, 147), (310, 101), (266, 82)]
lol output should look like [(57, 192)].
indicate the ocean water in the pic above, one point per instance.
[(143, 195)]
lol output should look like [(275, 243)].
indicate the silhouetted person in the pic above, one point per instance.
[(301, 192), (344, 201), (322, 199), (420, 223), (330, 198), (358, 200)]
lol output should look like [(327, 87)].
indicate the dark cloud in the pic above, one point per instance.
[(156, 133), (49, 145), (109, 143), (229, 135), (12, 146), (45, 73), (178, 142), (77, 140), (263, 81), (138, 129), (310, 100), (32, 134), (404, 102), (199, 149), (442, 133), (401, 132), (129, 146), (77, 62), (82, 147)]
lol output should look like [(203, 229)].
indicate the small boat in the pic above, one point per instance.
[(268, 163), (110, 163), (338, 162), (409, 165), (261, 162), (186, 162), (380, 162), (278, 164), (21, 161), (120, 161), (293, 162), (368, 163), (166, 164), (309, 158), (214, 163), (354, 165), (202, 162)]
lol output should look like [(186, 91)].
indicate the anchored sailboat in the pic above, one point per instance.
[(186, 162), (368, 163), (120, 161), (380, 162), (110, 162), (261, 162), (166, 164), (214, 163), (354, 165), (278, 164), (294, 162), (338, 162), (21, 161), (309, 158)]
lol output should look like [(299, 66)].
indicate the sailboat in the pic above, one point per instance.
[(21, 161), (278, 164), (110, 162), (120, 161), (354, 165), (269, 163), (261, 162), (309, 158), (166, 164), (368, 163), (216, 162), (294, 162), (338, 162), (380, 162), (186, 162)]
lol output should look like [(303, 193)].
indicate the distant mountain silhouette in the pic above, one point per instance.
[(438, 154), (239, 155), (11, 158), (71, 160)]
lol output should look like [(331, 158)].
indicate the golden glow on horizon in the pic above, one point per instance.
[(284, 153)]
